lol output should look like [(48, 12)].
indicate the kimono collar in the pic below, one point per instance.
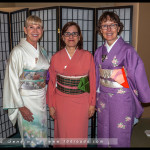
[(29, 48), (110, 47), (69, 54)]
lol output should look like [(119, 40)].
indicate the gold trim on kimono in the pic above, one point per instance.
[(118, 78), (106, 73), (110, 84)]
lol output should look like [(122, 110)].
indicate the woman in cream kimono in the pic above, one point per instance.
[(24, 92)]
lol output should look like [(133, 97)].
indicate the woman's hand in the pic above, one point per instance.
[(91, 111), (26, 114), (52, 112)]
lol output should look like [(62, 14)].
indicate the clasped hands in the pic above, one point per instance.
[(26, 114)]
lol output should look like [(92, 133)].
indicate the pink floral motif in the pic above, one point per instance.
[(36, 76), (136, 92), (121, 125), (99, 110), (102, 104), (128, 118), (115, 61), (121, 91), (110, 94)]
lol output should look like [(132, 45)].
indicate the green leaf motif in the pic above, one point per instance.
[(84, 84)]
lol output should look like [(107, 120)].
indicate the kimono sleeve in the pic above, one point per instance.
[(11, 95), (50, 99), (92, 79), (137, 74), (143, 89)]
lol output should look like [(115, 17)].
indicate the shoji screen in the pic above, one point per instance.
[(84, 17), (125, 14), (6, 127), (17, 25), (50, 42), (50, 20)]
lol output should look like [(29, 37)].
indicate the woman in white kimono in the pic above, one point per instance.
[(24, 92)]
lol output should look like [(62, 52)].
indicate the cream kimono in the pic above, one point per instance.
[(24, 85)]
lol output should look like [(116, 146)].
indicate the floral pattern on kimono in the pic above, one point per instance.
[(22, 58), (117, 119)]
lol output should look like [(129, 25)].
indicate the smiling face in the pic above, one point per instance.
[(71, 41), (33, 33), (110, 33)]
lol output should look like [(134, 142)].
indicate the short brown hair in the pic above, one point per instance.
[(113, 17), (65, 28)]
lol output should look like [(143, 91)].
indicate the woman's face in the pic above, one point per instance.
[(34, 33), (109, 30), (71, 37)]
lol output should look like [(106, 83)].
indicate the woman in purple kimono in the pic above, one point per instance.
[(121, 84)]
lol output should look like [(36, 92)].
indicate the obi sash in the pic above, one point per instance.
[(33, 79), (72, 84), (113, 78)]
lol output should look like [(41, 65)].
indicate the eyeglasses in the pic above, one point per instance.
[(74, 34), (112, 26)]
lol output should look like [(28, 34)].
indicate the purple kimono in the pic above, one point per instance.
[(117, 107)]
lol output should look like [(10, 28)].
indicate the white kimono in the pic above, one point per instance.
[(25, 73)]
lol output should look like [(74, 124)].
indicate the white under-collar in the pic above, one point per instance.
[(69, 54), (110, 47), (30, 48)]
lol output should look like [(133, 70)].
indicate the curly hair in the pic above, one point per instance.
[(65, 28), (112, 16)]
